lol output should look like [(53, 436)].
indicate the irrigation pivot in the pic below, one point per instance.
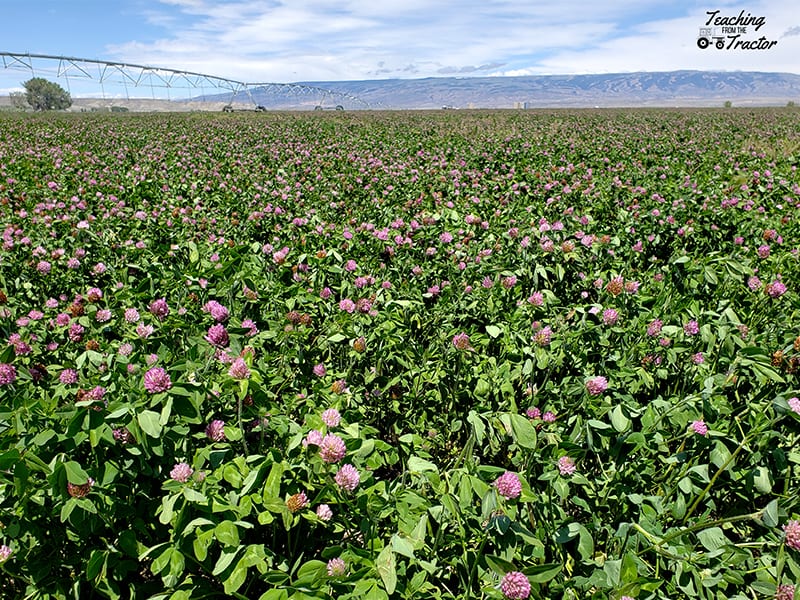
[(120, 83)]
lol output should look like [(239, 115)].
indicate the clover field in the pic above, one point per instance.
[(457, 355)]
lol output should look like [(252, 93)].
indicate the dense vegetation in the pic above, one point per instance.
[(418, 355), (42, 95)]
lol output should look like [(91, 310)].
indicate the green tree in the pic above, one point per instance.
[(18, 100), (46, 95)]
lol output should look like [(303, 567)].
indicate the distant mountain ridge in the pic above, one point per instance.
[(673, 88)]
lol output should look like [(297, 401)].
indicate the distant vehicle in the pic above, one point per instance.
[(228, 108), (337, 107)]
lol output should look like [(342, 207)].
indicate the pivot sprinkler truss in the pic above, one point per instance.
[(116, 80)]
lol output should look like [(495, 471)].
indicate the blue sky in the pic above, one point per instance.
[(322, 40)]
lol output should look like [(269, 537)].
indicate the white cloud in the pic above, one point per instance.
[(316, 40), (671, 44), (791, 31)]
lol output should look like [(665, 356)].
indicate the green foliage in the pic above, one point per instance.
[(42, 95), (18, 100), (453, 285)]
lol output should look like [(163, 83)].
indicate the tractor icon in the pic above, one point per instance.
[(709, 34)]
